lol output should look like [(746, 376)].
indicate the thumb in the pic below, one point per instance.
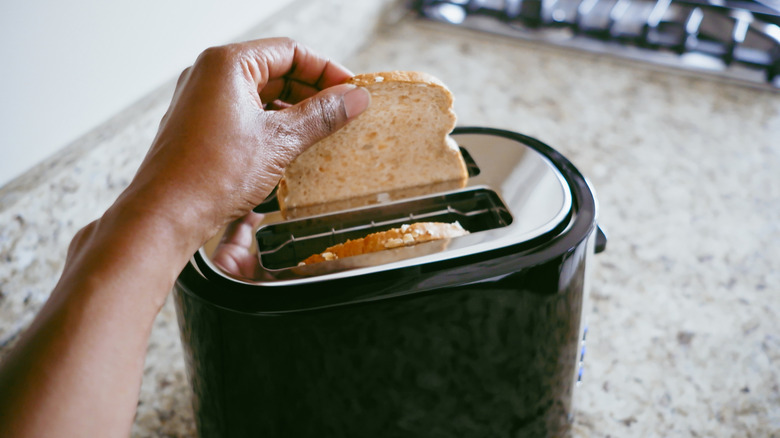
[(324, 113)]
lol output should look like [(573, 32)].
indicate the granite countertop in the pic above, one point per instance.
[(684, 311)]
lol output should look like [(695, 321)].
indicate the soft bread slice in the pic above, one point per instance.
[(406, 235), (399, 147)]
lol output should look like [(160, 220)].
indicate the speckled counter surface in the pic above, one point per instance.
[(684, 311)]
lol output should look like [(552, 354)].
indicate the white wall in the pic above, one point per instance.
[(66, 66)]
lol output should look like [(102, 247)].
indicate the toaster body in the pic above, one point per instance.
[(478, 336)]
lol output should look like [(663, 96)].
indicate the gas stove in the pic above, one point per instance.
[(733, 39)]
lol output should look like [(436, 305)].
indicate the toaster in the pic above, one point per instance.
[(478, 335)]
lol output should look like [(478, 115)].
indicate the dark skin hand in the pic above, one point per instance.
[(234, 252), (238, 116)]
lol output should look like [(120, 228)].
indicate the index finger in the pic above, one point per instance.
[(284, 58)]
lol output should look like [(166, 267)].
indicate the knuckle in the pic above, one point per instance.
[(219, 55), (279, 43), (285, 41), (183, 76), (326, 114)]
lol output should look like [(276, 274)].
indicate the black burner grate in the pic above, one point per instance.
[(738, 40)]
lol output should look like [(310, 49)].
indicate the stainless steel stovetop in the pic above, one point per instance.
[(734, 39)]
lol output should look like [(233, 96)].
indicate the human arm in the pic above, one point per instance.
[(219, 151)]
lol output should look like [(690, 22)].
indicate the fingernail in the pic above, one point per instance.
[(356, 101)]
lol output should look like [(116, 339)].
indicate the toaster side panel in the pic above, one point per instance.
[(493, 358)]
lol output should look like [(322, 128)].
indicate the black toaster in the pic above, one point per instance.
[(475, 336)]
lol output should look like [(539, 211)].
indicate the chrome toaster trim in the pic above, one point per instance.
[(530, 186)]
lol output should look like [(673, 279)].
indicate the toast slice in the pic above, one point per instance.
[(406, 235), (399, 147)]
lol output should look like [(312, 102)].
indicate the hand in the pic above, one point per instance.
[(234, 253), (238, 116)]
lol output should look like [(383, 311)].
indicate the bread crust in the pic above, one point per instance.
[(406, 235), (416, 77)]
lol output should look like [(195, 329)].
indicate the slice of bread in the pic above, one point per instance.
[(406, 235), (399, 147)]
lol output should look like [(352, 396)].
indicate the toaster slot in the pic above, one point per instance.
[(283, 245), (471, 165)]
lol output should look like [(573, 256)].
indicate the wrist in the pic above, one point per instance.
[(163, 238), (130, 245), (181, 222)]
